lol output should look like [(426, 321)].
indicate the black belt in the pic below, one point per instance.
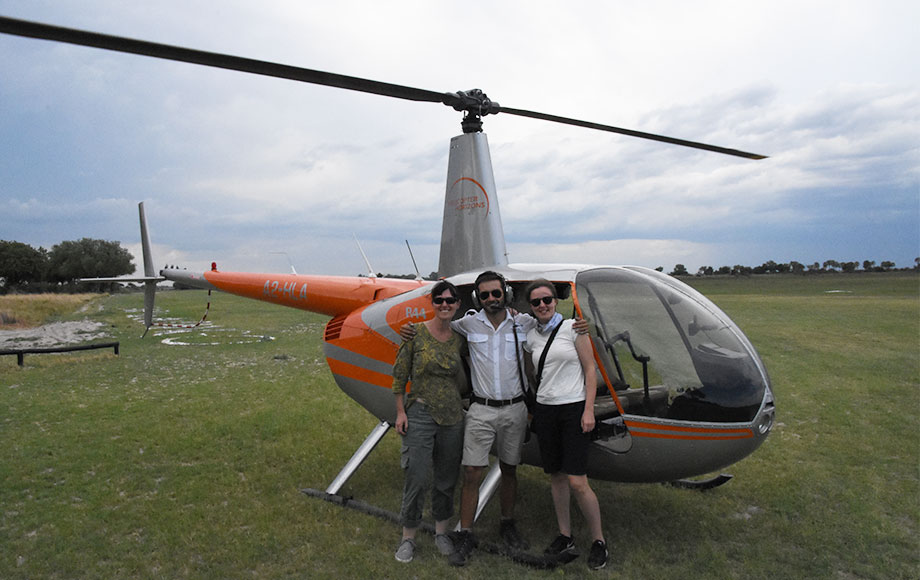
[(496, 402)]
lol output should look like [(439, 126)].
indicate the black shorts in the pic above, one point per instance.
[(563, 446)]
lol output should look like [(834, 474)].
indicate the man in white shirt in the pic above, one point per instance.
[(498, 412)]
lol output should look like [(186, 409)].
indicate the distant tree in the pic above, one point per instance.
[(88, 258), (796, 267), (705, 271), (848, 267), (739, 270), (816, 267), (768, 267), (21, 264), (725, 270), (916, 263), (868, 265), (886, 266), (679, 270), (661, 268), (831, 265)]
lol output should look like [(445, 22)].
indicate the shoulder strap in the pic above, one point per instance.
[(549, 341), (517, 354)]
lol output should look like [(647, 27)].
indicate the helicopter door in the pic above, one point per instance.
[(675, 354)]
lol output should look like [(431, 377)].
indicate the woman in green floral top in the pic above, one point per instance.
[(430, 419)]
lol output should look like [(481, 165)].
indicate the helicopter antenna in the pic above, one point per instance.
[(418, 276), (370, 271), (290, 263)]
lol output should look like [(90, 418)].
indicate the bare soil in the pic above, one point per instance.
[(53, 334)]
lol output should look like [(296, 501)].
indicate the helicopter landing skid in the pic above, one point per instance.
[(486, 490), (532, 560), (701, 484)]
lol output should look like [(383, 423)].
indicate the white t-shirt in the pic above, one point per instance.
[(563, 379)]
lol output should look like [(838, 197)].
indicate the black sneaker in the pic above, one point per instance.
[(561, 544), (510, 535), (562, 549), (597, 559), (464, 543)]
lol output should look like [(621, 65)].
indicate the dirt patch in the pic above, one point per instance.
[(53, 334)]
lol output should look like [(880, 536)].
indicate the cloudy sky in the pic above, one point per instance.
[(253, 172)]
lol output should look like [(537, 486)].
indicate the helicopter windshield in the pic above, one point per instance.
[(666, 350)]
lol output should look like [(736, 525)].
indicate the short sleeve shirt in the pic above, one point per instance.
[(496, 361)]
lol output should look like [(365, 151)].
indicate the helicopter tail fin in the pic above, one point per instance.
[(150, 277), (472, 237)]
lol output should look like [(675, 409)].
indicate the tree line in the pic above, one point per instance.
[(793, 267), (27, 269)]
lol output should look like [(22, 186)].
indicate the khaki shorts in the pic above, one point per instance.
[(505, 426)]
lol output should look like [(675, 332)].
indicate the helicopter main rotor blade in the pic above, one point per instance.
[(461, 101), (630, 132), (213, 59)]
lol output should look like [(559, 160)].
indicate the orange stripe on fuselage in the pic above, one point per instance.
[(638, 429), (359, 374), (331, 295)]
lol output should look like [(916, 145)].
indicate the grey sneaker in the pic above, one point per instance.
[(444, 543), (406, 550), (597, 558), (510, 535)]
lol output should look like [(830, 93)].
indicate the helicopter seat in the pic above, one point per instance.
[(634, 399), (605, 407)]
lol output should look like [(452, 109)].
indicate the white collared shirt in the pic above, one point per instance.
[(493, 360)]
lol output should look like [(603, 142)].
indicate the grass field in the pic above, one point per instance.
[(185, 460), (27, 310)]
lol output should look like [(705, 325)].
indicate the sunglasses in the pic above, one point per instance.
[(494, 294), (545, 300), (438, 301)]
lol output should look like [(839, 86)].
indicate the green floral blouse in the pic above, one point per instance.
[(433, 368)]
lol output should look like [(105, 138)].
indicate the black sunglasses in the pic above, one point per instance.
[(545, 300), (494, 293), (440, 300)]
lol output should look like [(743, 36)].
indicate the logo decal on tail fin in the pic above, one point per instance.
[(474, 201)]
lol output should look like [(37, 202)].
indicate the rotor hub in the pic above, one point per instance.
[(475, 104)]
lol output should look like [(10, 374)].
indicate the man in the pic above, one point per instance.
[(497, 413)]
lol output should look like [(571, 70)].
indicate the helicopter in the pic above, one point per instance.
[(682, 392)]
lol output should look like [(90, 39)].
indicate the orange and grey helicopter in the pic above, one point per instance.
[(682, 392)]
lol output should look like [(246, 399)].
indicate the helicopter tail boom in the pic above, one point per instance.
[(329, 295)]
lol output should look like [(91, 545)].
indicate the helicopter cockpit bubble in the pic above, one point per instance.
[(668, 351)]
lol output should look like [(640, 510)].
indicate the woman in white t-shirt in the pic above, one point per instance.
[(564, 418)]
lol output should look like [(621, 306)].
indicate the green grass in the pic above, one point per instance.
[(27, 310), (187, 461)]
